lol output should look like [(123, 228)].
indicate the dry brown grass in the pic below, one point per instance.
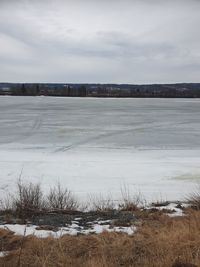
[(159, 242), (194, 199)]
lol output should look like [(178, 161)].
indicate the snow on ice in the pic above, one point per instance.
[(96, 146)]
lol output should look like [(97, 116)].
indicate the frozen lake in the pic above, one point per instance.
[(97, 146)]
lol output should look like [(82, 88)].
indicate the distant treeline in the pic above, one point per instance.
[(101, 90)]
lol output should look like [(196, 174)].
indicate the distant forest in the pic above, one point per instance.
[(101, 90)]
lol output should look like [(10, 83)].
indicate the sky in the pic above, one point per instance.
[(100, 41)]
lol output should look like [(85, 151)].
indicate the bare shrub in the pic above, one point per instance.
[(130, 202), (100, 203), (28, 199), (194, 199), (6, 204), (61, 199)]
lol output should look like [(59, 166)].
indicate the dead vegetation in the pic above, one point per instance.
[(194, 199), (160, 241), (29, 200), (129, 201), (61, 199), (102, 204)]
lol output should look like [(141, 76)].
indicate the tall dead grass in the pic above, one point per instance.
[(159, 242)]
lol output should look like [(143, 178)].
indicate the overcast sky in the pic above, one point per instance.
[(107, 41)]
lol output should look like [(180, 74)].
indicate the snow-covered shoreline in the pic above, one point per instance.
[(90, 222)]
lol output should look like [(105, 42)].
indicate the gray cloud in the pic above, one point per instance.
[(99, 41)]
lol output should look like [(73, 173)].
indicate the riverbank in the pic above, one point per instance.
[(158, 240)]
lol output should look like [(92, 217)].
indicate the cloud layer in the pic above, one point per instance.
[(119, 41)]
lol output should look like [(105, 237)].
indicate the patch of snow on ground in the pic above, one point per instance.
[(175, 211), (72, 229), (3, 253)]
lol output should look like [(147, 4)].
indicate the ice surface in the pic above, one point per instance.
[(97, 145)]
